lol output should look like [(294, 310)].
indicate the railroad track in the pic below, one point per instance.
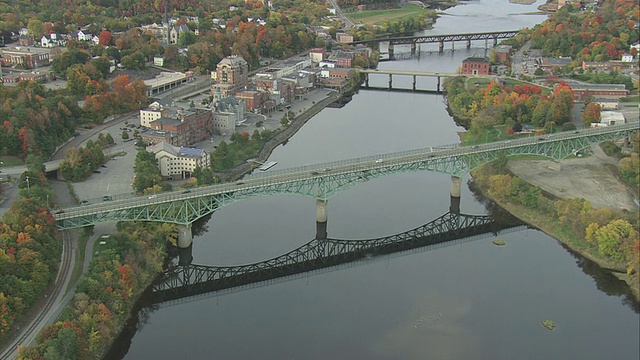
[(38, 322)]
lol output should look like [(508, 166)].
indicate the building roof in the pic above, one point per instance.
[(610, 87), (476, 59), (175, 150), (233, 61)]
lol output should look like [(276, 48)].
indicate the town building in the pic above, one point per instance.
[(475, 66), (317, 55), (550, 64), (181, 162), (228, 112), (343, 38), (607, 104), (174, 33), (166, 81), (612, 118), (503, 54), (343, 59), (231, 75), (582, 92), (185, 129), (28, 57), (156, 110)]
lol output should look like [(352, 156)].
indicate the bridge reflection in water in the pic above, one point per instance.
[(186, 280)]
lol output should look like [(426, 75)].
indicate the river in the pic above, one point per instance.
[(468, 301)]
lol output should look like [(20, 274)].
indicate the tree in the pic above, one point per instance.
[(104, 38), (125, 134), (591, 114)]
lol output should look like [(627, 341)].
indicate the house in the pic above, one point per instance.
[(52, 40), (627, 58), (175, 161), (80, 35), (476, 66), (95, 39), (158, 60)]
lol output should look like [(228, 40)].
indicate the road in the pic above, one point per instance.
[(347, 24)]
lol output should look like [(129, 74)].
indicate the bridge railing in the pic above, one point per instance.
[(257, 174)]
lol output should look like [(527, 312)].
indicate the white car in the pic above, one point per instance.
[(379, 161), (153, 196)]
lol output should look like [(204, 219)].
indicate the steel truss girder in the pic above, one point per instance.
[(456, 161), (182, 281), (454, 37)]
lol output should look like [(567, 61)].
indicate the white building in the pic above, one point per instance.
[(612, 118), (154, 112), (627, 58), (174, 161)]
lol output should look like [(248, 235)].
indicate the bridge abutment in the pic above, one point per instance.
[(456, 186), (185, 238)]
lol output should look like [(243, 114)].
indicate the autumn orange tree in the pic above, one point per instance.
[(591, 114)]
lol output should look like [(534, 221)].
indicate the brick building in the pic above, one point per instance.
[(476, 66), (231, 75)]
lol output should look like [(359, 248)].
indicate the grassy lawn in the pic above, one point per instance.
[(631, 99), (375, 17), (510, 82), (10, 160)]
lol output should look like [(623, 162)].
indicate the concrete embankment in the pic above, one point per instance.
[(280, 138)]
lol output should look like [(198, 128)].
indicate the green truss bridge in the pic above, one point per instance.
[(322, 181)]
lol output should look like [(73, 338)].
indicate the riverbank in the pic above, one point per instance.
[(551, 226)]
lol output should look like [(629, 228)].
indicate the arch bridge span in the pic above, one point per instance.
[(323, 181)]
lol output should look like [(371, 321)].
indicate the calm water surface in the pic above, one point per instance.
[(466, 301)]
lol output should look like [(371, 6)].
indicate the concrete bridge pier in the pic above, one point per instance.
[(413, 48), (321, 219), (185, 238), (366, 81), (414, 83), (455, 194), (495, 42), (321, 210), (185, 255), (391, 56), (469, 44), (390, 82), (440, 47), (453, 46), (486, 44), (321, 230), (438, 86)]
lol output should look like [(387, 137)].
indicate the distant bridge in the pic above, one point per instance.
[(441, 39), (180, 282)]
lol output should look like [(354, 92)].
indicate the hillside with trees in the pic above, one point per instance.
[(585, 35)]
